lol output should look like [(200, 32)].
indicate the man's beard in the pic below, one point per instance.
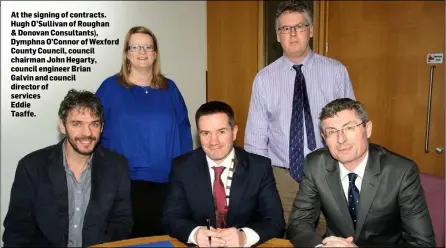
[(75, 148)]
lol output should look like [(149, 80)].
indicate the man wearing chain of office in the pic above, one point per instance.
[(220, 195)]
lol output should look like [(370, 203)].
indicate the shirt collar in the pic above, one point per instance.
[(360, 170), (288, 64), (65, 163), (226, 163)]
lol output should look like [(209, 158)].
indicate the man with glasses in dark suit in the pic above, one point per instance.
[(369, 195)]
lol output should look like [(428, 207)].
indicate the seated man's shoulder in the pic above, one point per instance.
[(41, 155), (250, 154), (258, 160), (113, 157), (391, 159), (185, 159)]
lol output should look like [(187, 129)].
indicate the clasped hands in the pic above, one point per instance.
[(333, 241), (225, 237)]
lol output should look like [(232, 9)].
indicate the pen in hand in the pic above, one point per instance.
[(208, 221)]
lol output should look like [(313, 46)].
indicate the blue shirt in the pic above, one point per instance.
[(148, 126), (269, 117)]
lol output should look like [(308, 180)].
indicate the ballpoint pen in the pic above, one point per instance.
[(208, 221)]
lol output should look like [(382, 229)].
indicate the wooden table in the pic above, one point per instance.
[(128, 242)]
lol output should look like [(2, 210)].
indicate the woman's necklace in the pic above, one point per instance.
[(144, 88)]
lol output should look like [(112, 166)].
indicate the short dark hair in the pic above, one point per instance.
[(341, 104), (81, 99), (214, 107), (294, 6)]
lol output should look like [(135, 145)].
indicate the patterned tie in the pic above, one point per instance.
[(353, 197), (221, 209), (301, 111)]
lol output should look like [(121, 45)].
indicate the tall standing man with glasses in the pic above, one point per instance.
[(287, 97), (369, 195)]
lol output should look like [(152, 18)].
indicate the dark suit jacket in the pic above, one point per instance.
[(392, 206), (254, 201), (38, 208)]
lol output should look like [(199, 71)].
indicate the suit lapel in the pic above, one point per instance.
[(334, 184), (98, 169), (238, 185), (203, 182), (58, 179), (368, 188)]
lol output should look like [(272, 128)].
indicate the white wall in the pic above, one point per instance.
[(181, 31)]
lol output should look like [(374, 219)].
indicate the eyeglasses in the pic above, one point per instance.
[(298, 28), (137, 48), (349, 129)]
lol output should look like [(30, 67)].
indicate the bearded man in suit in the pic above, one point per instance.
[(74, 193)]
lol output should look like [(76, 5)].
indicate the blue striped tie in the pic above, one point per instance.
[(301, 111)]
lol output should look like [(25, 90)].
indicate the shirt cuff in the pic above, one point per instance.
[(192, 236), (319, 245), (251, 236)]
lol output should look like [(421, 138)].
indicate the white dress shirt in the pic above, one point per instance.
[(343, 173), (267, 129), (251, 236)]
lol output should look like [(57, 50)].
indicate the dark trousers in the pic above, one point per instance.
[(147, 205)]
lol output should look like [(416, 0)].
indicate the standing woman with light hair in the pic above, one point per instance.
[(146, 120)]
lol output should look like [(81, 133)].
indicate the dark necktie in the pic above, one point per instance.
[(221, 209), (353, 197), (301, 111)]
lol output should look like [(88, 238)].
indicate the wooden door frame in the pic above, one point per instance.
[(320, 27), (261, 36)]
